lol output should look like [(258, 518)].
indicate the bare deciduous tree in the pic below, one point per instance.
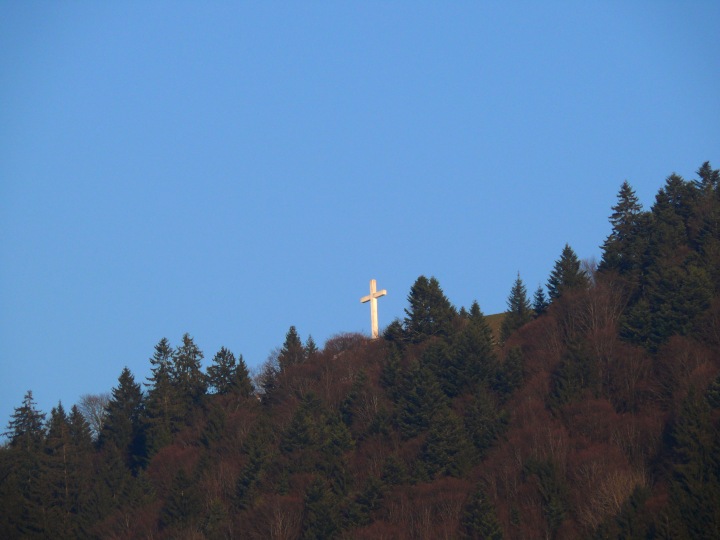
[(93, 408)]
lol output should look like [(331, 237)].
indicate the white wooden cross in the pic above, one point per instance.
[(372, 298)]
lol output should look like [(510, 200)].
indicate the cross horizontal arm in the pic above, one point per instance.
[(377, 294)]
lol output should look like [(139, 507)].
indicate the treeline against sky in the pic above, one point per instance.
[(591, 411)]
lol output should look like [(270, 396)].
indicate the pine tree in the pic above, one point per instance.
[(566, 274), (430, 313), (293, 351), (519, 310)]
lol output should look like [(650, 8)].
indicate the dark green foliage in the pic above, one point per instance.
[(447, 451), (430, 312), (510, 373), (123, 426), (22, 484), (624, 248), (183, 505), (519, 311), (472, 357), (575, 373), (479, 521), (695, 488), (419, 400), (321, 518), (25, 429), (311, 349), (189, 381), (553, 491), (566, 274), (162, 411), (226, 375), (293, 352), (484, 422), (540, 301)]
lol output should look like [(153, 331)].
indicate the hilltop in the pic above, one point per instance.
[(591, 410)]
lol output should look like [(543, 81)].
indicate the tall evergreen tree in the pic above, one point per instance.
[(293, 351), (26, 429), (479, 521), (430, 313), (163, 414), (566, 274), (189, 381), (221, 373), (623, 248), (58, 476), (540, 301), (519, 310), (22, 486), (123, 426)]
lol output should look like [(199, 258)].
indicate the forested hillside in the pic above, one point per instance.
[(592, 411)]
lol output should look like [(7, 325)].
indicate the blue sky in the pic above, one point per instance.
[(231, 169)]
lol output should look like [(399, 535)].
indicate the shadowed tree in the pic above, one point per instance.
[(430, 313), (293, 351), (566, 274), (519, 310), (122, 429)]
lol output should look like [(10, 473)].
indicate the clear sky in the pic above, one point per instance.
[(229, 169)]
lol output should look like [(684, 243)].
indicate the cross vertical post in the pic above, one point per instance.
[(372, 298)]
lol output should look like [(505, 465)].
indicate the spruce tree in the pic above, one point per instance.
[(293, 351), (430, 313), (221, 373), (189, 381), (519, 310), (22, 487), (566, 274), (163, 414), (540, 301), (123, 428), (623, 248), (479, 521)]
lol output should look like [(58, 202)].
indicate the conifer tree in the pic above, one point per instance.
[(446, 451), (57, 477), (22, 488), (430, 313), (519, 310), (189, 381), (163, 414), (311, 349), (566, 274), (540, 301), (123, 428), (479, 521), (26, 429), (221, 373), (472, 358), (293, 351), (623, 248)]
